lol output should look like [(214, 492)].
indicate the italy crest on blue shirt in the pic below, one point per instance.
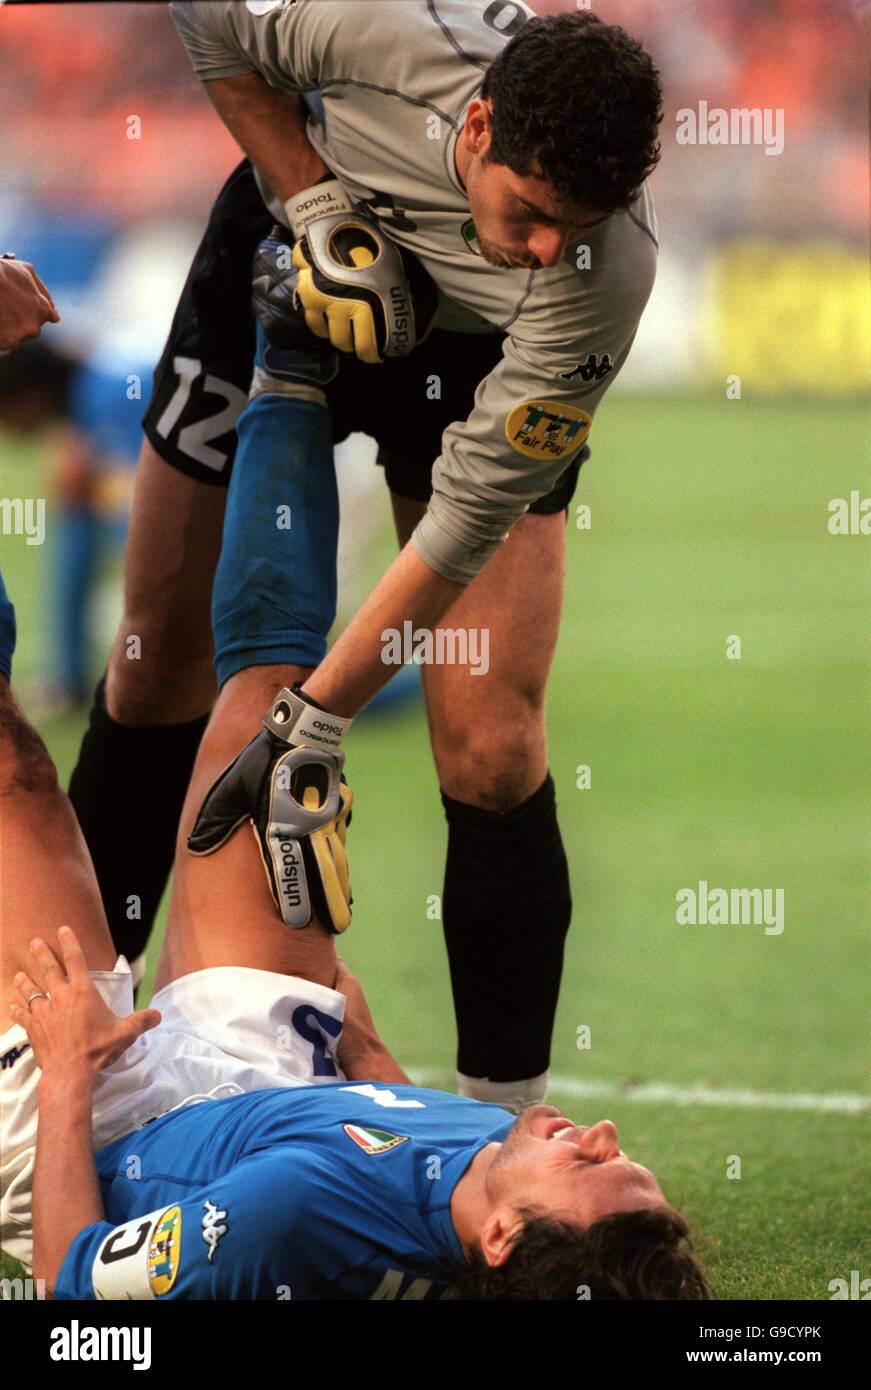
[(374, 1141)]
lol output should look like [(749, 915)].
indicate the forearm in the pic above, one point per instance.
[(375, 1064), (270, 126), (362, 1054), (367, 1059), (353, 671), (66, 1192)]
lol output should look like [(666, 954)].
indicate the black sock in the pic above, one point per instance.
[(506, 910), (128, 789)]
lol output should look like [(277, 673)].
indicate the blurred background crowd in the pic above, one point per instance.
[(112, 156)]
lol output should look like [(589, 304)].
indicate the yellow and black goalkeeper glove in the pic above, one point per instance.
[(355, 286), (288, 782), (329, 878)]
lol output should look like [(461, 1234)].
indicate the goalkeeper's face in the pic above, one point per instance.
[(519, 220), (572, 1173)]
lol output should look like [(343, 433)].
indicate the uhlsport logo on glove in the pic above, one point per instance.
[(290, 878)]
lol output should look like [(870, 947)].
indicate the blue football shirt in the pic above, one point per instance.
[(338, 1191), (107, 408)]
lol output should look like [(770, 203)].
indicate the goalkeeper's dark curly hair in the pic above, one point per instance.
[(631, 1255), (584, 99)]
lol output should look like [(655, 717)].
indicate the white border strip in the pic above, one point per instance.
[(664, 1093)]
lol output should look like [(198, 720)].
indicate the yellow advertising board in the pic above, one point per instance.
[(792, 318)]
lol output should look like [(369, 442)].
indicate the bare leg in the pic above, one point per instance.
[(221, 911), (488, 732), (504, 846), (172, 551), (138, 751), (46, 876)]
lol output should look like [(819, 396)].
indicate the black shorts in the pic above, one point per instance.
[(201, 382)]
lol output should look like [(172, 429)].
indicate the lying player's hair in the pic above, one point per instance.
[(631, 1255), (582, 98)]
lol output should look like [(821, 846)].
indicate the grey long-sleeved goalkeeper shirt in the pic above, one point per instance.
[(396, 77)]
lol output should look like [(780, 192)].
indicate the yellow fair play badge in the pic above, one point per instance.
[(547, 429)]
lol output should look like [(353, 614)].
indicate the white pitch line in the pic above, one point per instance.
[(664, 1093)]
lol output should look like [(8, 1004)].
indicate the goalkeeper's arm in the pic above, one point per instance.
[(271, 128), (353, 284)]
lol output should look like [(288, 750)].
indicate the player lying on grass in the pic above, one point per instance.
[(508, 156), (253, 1136)]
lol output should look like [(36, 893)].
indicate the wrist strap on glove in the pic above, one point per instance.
[(326, 199), (297, 719)]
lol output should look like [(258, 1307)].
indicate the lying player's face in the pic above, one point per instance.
[(574, 1173), (518, 220)]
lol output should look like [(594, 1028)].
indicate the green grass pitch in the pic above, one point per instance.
[(709, 521)]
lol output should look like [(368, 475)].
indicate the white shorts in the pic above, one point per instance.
[(224, 1031)]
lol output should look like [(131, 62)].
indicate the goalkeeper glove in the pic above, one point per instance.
[(354, 285), (287, 781)]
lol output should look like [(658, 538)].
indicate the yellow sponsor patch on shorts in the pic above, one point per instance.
[(547, 429), (164, 1251)]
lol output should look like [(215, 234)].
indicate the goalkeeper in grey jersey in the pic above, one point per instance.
[(410, 136), (508, 156)]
